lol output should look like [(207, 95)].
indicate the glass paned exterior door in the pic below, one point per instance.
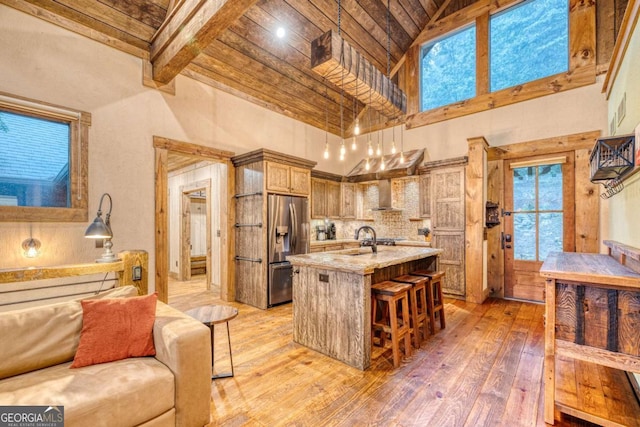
[(539, 200), (537, 211)]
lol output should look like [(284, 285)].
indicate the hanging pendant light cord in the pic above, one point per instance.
[(326, 114), (339, 13), (388, 38)]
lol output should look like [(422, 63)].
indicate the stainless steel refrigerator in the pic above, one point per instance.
[(288, 234)]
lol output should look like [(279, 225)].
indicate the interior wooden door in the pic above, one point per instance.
[(447, 223), (539, 219)]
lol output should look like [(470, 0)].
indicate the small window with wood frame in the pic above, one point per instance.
[(43, 167)]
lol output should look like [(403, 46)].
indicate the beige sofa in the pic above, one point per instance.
[(173, 388)]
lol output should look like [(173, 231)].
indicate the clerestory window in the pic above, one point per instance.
[(527, 42), (448, 69), (473, 69)]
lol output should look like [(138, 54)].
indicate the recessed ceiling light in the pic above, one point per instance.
[(280, 32)]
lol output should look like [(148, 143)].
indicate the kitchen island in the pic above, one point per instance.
[(332, 296)]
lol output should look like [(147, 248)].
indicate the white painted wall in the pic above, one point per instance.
[(620, 212), (198, 227), (44, 62), (216, 173)]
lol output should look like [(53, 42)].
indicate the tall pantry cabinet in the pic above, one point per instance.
[(442, 197), (258, 174)]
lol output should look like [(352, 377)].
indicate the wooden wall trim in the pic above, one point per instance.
[(495, 252), (162, 224), (629, 22), (577, 141), (587, 205), (453, 161), (546, 86), (474, 220), (326, 175), (162, 147), (190, 149), (264, 154)]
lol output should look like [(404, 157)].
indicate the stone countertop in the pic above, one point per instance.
[(341, 241), (413, 243), (331, 242), (363, 260)]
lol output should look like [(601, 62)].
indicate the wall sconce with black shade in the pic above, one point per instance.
[(101, 229)]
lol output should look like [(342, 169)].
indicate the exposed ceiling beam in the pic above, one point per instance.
[(188, 30), (333, 58)]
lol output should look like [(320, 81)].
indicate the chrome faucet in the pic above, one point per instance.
[(374, 246)]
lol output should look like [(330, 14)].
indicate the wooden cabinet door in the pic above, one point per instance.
[(451, 260), (348, 200), (333, 199), (447, 223), (300, 181), (448, 199), (363, 201), (318, 198), (278, 177), (425, 196)]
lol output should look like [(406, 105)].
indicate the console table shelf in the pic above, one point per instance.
[(592, 301)]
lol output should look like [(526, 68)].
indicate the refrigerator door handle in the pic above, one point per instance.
[(294, 227)]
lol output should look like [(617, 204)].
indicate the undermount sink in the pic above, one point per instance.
[(354, 251)]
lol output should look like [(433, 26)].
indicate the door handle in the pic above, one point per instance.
[(505, 239)]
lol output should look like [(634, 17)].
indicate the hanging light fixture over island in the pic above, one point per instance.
[(333, 58)]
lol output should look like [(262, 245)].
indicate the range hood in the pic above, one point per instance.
[(393, 167), (384, 197)]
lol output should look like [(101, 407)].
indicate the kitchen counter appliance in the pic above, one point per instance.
[(288, 234)]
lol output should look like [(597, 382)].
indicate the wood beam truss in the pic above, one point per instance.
[(188, 30)]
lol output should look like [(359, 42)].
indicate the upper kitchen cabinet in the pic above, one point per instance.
[(425, 195), (318, 198), (348, 200), (285, 178), (325, 195), (331, 198), (448, 199)]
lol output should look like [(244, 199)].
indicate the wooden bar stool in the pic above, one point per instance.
[(392, 293), (418, 307), (435, 301)]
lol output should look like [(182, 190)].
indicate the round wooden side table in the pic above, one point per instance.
[(212, 315)]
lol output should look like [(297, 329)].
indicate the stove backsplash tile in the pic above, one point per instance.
[(404, 223)]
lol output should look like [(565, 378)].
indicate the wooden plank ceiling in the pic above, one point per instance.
[(239, 51)]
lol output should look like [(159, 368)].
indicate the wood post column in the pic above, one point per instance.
[(475, 258)]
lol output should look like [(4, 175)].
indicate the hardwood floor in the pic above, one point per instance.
[(484, 369)]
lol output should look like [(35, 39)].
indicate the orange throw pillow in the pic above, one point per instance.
[(114, 329)]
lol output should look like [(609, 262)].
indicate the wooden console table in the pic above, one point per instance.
[(592, 318)]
